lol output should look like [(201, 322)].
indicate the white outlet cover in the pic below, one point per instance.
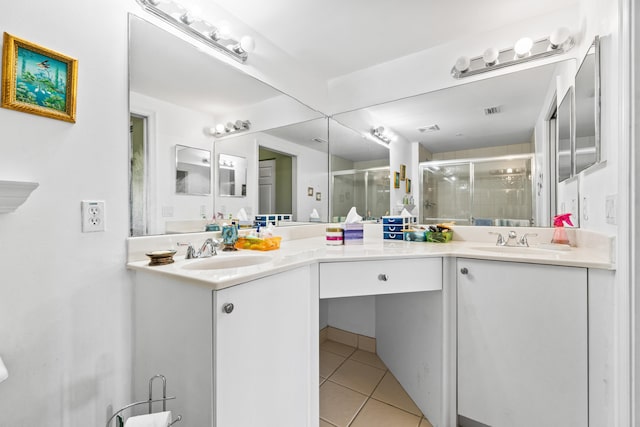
[(610, 209), (93, 216)]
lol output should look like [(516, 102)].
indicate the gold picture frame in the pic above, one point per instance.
[(403, 172), (37, 80), (408, 185), (396, 180)]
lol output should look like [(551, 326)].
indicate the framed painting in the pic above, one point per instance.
[(318, 196), (403, 172), (396, 180), (309, 191), (408, 189), (38, 80)]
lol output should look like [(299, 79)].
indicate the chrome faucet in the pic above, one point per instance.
[(208, 249), (512, 235)]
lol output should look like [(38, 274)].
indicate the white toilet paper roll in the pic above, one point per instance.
[(4, 374)]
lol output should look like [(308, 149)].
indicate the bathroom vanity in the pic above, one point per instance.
[(502, 337)]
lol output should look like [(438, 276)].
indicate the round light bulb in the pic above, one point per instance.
[(220, 128), (462, 64), (247, 43), (490, 56), (224, 30), (559, 36), (523, 47), (380, 129)]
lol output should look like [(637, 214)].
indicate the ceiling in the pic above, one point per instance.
[(337, 37)]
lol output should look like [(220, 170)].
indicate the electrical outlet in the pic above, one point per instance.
[(93, 215)]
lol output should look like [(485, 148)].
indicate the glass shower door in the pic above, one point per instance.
[(446, 193)]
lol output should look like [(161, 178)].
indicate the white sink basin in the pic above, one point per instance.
[(518, 250), (220, 262)]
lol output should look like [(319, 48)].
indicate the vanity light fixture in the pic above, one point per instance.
[(221, 130), (525, 49), (218, 37), (379, 133)]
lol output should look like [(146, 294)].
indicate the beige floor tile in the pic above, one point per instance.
[(344, 337), (339, 405), (329, 362), (358, 376), (378, 414), (323, 423), (425, 423), (367, 343), (390, 391), (337, 348), (369, 358)]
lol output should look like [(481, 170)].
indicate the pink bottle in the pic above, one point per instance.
[(560, 234)]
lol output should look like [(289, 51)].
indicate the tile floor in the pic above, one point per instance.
[(357, 390)]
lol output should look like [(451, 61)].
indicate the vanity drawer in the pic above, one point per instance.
[(354, 278)]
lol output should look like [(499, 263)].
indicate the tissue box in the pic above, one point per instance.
[(353, 233)]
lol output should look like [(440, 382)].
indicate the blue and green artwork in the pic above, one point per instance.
[(41, 80)]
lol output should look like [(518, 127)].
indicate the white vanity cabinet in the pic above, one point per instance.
[(522, 344), (245, 355)]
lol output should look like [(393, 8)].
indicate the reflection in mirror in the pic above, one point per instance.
[(193, 171), (494, 117), (359, 174), (232, 176), (587, 106), (178, 94), (282, 165), (564, 122)]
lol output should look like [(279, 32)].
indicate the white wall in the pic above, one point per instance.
[(65, 296), (354, 314), (172, 124)]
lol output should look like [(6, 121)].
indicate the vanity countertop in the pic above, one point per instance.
[(296, 253)]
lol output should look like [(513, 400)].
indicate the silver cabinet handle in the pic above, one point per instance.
[(464, 270), (227, 308), (383, 277)]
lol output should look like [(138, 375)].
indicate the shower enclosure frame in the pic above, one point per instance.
[(366, 184), (422, 166)]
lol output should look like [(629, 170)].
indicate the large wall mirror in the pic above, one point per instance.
[(178, 93), (484, 148)]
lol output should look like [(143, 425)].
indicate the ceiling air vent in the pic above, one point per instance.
[(492, 110), (319, 140), (429, 128)]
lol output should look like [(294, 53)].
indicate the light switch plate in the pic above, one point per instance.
[(610, 209)]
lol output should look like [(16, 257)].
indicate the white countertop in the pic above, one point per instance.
[(296, 253)]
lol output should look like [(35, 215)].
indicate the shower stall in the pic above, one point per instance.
[(483, 191), (366, 189)]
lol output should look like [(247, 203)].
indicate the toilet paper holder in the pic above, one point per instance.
[(150, 401)]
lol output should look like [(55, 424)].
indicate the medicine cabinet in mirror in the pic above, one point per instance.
[(587, 110), (232, 176), (193, 171), (178, 93)]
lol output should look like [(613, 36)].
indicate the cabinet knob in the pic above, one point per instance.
[(383, 277), (227, 308), (464, 270)]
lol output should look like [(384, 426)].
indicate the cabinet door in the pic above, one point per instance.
[(522, 344), (263, 364)]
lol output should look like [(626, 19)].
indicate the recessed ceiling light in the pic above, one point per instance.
[(429, 128)]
